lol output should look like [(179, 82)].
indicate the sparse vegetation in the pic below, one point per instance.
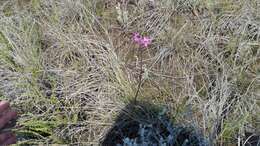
[(69, 66)]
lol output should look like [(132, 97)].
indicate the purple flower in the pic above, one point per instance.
[(146, 41), (142, 41)]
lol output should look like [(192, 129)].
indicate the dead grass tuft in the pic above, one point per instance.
[(72, 64)]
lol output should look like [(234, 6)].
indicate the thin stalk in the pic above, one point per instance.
[(140, 75)]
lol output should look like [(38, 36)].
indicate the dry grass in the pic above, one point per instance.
[(72, 65)]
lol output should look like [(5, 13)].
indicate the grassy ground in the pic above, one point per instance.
[(69, 67)]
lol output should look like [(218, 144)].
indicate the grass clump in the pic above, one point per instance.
[(69, 66)]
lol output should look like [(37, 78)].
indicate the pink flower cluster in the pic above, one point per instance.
[(142, 41)]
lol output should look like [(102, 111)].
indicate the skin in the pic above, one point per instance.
[(6, 114)]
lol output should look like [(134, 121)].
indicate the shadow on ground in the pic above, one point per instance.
[(148, 120)]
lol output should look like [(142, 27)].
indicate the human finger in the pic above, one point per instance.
[(4, 119), (4, 105)]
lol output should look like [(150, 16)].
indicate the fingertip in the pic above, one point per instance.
[(4, 105)]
